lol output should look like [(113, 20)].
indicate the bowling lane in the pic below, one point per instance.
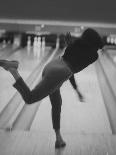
[(77, 117), (112, 54), (3, 45), (27, 64), (6, 48), (108, 87), (7, 51)]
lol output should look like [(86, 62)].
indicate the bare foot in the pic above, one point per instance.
[(60, 144)]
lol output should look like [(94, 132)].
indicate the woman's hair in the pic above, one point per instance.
[(92, 38)]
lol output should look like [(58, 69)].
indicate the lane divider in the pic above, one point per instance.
[(107, 90)]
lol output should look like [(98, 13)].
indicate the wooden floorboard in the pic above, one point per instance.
[(38, 143), (85, 126)]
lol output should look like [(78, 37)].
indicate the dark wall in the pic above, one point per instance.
[(74, 10)]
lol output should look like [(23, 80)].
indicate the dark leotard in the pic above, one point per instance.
[(79, 55)]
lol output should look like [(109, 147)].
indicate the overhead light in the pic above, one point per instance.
[(42, 25), (82, 27)]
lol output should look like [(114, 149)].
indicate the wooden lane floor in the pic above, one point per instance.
[(85, 126), (34, 143), (8, 51)]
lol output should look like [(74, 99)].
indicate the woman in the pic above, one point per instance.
[(78, 55)]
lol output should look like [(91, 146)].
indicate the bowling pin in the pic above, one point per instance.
[(57, 43), (4, 44), (28, 44), (108, 39), (38, 46), (35, 46), (112, 40), (43, 47)]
